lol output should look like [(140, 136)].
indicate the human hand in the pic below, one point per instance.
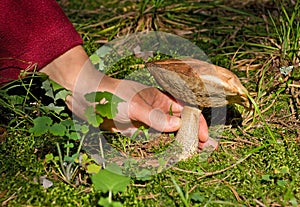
[(148, 106), (143, 105)]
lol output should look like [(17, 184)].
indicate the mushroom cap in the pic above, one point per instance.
[(198, 82)]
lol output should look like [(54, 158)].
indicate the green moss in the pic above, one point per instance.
[(245, 169)]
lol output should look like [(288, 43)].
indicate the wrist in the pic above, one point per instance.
[(69, 68)]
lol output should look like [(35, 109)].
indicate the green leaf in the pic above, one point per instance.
[(282, 183), (57, 129), (116, 204), (105, 181), (93, 168), (116, 100), (107, 107), (95, 59), (197, 197), (16, 99), (266, 177), (74, 136), (143, 175), (67, 122), (46, 85), (285, 170), (62, 95), (104, 202), (56, 109), (56, 158), (76, 127), (84, 159), (105, 110), (114, 168), (41, 125), (98, 96), (49, 157), (94, 119), (64, 114), (69, 145), (103, 95), (56, 86), (68, 159), (84, 129)]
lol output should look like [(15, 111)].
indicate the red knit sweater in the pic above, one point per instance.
[(32, 32)]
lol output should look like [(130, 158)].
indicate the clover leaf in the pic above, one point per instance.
[(41, 125), (106, 181)]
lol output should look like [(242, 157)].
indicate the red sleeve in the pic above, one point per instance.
[(32, 32)]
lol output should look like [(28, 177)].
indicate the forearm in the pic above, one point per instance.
[(73, 71)]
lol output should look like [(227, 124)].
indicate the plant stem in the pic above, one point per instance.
[(15, 110), (101, 150), (80, 144), (61, 160), (68, 149), (110, 197)]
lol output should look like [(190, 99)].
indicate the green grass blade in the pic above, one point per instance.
[(179, 191), (257, 110)]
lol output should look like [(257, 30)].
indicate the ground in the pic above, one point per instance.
[(257, 163)]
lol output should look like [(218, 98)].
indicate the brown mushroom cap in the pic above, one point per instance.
[(199, 83)]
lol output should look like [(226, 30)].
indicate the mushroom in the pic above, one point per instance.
[(199, 84)]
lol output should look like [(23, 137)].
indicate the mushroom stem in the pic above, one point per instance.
[(187, 135)]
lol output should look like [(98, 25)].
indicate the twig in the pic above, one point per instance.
[(150, 196), (238, 139), (186, 171), (268, 107), (225, 169), (13, 196), (293, 85), (124, 16), (207, 174), (259, 203), (235, 193)]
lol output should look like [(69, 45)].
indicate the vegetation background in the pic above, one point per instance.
[(257, 163)]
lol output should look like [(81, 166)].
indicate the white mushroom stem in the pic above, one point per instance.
[(187, 135)]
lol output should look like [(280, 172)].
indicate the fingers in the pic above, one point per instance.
[(145, 105), (203, 130), (209, 143), (154, 117), (152, 107), (164, 122), (156, 99), (204, 139)]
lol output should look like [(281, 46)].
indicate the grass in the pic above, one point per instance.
[(257, 164)]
